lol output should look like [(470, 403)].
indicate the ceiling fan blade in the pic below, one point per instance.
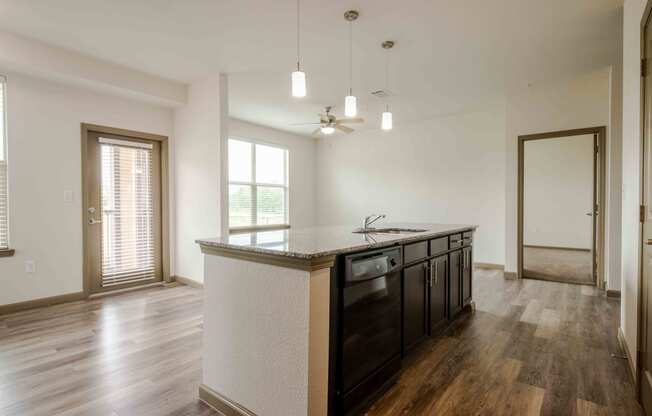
[(304, 124), (350, 120), (316, 132), (344, 129)]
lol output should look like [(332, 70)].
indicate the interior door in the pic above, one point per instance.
[(645, 375), (123, 218)]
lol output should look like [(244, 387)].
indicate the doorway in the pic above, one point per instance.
[(560, 196), (124, 210)]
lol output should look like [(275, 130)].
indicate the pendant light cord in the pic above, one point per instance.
[(350, 58), (386, 68), (298, 35)]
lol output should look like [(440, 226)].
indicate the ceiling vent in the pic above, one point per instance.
[(382, 93)]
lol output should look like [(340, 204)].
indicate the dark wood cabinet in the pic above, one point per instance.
[(438, 287), (455, 283), (467, 274), (415, 324)]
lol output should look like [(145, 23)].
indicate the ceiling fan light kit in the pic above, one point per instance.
[(327, 130)]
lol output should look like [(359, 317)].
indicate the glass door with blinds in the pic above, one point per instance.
[(124, 212)]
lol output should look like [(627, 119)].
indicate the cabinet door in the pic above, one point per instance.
[(455, 283), (438, 288), (467, 274), (414, 304)]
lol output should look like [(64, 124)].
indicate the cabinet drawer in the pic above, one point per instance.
[(455, 241), (415, 251), (467, 238), (438, 245)]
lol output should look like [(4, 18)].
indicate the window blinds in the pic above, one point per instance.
[(4, 231), (4, 187), (128, 239)]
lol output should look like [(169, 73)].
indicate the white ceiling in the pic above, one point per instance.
[(450, 55)]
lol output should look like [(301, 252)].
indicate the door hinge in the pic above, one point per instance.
[(642, 210), (643, 68)]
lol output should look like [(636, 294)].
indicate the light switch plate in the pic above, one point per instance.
[(30, 266), (68, 196)]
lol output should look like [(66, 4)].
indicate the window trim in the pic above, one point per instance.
[(254, 185), (8, 251)]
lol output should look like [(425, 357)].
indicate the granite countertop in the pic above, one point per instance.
[(317, 242)]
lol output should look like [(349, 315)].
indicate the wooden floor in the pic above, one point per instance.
[(532, 347), (568, 266)]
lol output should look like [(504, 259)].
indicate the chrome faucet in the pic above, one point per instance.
[(371, 219)]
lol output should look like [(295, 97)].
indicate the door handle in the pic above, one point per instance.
[(648, 242), (93, 221), (590, 214)]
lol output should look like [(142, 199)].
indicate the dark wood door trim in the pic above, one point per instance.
[(165, 210), (599, 196)]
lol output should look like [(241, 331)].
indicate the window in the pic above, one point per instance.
[(258, 185), (4, 186)]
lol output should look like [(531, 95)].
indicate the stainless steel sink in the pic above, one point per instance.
[(388, 230)]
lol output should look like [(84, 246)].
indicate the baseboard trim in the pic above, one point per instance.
[(613, 294), (222, 404), (510, 275), (125, 290), (489, 266), (625, 348), (40, 303), (189, 282), (558, 248)]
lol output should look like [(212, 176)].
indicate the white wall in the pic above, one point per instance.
[(633, 13), (558, 192), (571, 104), (446, 170), (198, 172), (44, 137), (302, 166)]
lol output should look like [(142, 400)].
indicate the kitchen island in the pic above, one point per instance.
[(315, 321)]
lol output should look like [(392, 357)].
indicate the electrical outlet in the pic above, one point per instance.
[(30, 266), (68, 196)]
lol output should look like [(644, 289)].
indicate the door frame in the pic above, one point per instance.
[(599, 194), (641, 299), (165, 199)]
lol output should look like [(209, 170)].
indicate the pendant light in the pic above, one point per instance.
[(298, 77), (386, 120), (350, 101)]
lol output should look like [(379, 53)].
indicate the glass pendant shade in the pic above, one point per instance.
[(386, 123), (328, 130), (298, 84), (350, 106)]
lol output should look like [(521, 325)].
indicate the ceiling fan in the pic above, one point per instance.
[(329, 123)]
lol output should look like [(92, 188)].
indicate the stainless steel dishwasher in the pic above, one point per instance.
[(371, 326)]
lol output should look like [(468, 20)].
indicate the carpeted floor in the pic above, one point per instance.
[(568, 266)]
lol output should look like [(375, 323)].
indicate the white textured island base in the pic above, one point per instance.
[(265, 347)]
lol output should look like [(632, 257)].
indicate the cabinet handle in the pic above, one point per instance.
[(436, 272)]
